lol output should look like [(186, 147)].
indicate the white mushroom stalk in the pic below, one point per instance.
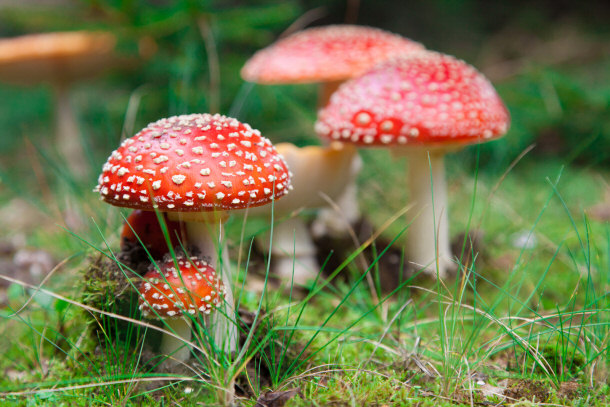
[(175, 346), (69, 143), (428, 246)]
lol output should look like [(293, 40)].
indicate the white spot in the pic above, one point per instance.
[(363, 118), (178, 179), (386, 125)]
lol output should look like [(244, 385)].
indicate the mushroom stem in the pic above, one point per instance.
[(174, 347), (327, 221), (208, 238), (428, 234), (294, 255), (68, 139)]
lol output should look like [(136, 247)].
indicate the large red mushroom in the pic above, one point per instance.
[(421, 105), (196, 167)]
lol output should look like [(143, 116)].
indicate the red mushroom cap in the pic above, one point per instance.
[(324, 54), (192, 163), (144, 225), (169, 295), (426, 98)]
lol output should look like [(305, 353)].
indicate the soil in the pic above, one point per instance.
[(530, 390)]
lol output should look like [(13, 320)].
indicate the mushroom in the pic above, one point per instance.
[(196, 167), (59, 58), (327, 55), (143, 227), (422, 106), (319, 173), (177, 290)]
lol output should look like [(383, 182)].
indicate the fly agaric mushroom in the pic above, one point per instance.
[(421, 105), (195, 167), (59, 58), (327, 55), (143, 226), (177, 295)]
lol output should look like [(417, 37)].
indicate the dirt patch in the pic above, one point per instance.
[(530, 390), (569, 390)]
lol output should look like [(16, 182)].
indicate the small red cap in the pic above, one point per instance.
[(324, 54), (170, 295), (194, 163), (425, 98), (144, 226)]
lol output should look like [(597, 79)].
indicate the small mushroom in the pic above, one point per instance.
[(196, 167), (177, 291), (422, 105)]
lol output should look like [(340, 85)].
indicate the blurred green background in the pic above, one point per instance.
[(549, 60)]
